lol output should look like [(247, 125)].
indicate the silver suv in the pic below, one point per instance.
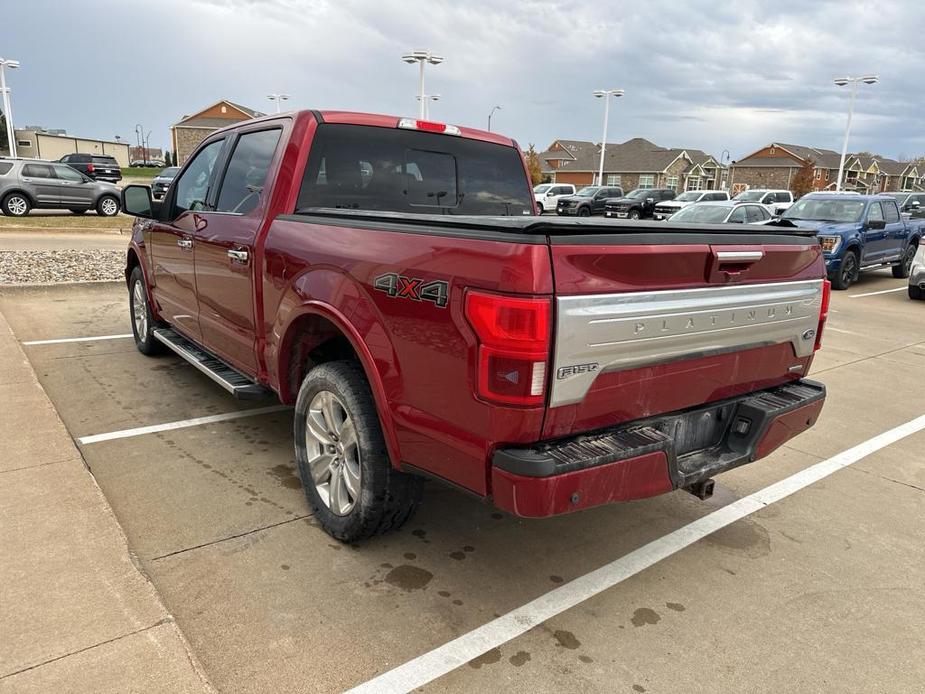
[(27, 184)]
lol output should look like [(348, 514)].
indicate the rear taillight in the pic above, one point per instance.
[(513, 335), (823, 311), (90, 168)]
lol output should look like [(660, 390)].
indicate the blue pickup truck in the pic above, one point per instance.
[(858, 232)]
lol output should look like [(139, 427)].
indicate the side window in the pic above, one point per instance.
[(37, 171), (890, 213), (738, 216), (193, 186), (756, 214), (66, 173), (247, 171), (875, 212)]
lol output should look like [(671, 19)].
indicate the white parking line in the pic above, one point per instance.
[(428, 667), (883, 291), (181, 424), (63, 340)]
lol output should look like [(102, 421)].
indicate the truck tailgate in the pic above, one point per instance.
[(664, 320)]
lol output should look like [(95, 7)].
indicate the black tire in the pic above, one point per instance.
[(916, 292), (145, 341), (78, 210), (16, 205), (584, 212), (634, 214), (902, 270), (847, 272), (540, 209), (104, 208), (387, 498)]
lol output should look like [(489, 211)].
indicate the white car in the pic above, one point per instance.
[(666, 208), (723, 212), (777, 201), (548, 194)]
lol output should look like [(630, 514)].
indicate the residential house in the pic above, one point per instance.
[(636, 163), (777, 164), (191, 130)]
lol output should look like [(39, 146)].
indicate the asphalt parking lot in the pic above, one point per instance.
[(820, 591)]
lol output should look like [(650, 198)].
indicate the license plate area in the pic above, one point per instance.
[(697, 431)]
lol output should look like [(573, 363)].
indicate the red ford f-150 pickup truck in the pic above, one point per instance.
[(390, 279)]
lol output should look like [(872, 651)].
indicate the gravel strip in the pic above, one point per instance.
[(52, 267)]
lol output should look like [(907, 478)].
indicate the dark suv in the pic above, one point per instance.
[(587, 201), (638, 204), (100, 167)]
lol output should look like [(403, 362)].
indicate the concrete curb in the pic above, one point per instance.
[(78, 613), (12, 289)]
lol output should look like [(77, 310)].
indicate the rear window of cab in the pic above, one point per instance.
[(371, 168)]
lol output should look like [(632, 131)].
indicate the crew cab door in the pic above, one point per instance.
[(171, 240), (224, 242), (895, 231), (876, 237)]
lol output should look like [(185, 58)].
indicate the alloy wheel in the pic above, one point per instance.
[(849, 269), (140, 311), (109, 207), (333, 452), (17, 206)]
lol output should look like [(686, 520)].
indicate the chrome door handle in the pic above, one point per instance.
[(185, 244), (238, 255)]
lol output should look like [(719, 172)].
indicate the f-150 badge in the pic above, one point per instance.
[(401, 287), (566, 371)]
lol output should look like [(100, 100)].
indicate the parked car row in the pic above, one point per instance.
[(27, 184)]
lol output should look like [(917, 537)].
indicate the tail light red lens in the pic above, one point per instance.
[(823, 311), (90, 168), (514, 335)]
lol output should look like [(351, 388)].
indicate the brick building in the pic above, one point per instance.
[(191, 130), (636, 163), (777, 164)]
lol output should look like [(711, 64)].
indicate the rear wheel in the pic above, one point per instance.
[(902, 270), (143, 322), (16, 205), (848, 272), (107, 206), (340, 450)]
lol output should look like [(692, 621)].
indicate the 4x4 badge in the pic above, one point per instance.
[(414, 288)]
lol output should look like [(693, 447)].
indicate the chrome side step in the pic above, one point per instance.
[(228, 378)]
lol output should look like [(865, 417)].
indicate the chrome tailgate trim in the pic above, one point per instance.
[(612, 332)]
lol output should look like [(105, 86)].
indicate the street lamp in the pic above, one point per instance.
[(7, 103), (140, 139), (278, 98), (854, 82), (422, 58), (605, 94), (493, 109), (427, 99)]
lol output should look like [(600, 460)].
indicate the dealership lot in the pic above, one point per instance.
[(819, 591)]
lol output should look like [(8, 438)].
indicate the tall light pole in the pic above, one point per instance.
[(7, 103), (422, 58), (278, 98), (854, 82), (605, 94), (724, 158), (493, 109), (427, 99)]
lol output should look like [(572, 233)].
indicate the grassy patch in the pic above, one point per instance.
[(141, 171), (66, 221)]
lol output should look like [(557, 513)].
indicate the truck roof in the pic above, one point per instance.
[(377, 120)]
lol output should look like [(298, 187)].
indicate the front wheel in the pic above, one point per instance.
[(107, 206), (848, 272), (634, 214), (343, 462), (143, 322), (539, 208), (584, 212), (916, 292), (902, 270)]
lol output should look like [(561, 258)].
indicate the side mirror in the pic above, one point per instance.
[(549, 194), (650, 200), (876, 224), (916, 204), (136, 201)]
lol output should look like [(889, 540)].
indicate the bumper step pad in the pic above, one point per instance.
[(697, 443)]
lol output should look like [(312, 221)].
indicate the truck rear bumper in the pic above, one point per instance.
[(654, 456)]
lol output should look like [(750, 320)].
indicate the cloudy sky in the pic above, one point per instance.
[(712, 75)]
